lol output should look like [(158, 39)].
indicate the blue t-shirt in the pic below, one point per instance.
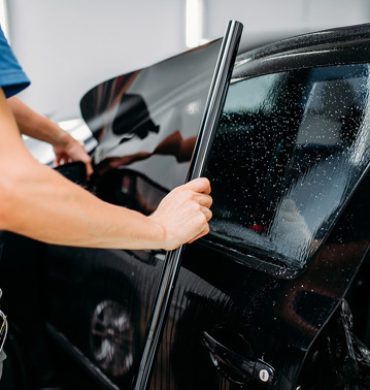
[(12, 77)]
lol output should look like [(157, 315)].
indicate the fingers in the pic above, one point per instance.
[(185, 213), (61, 160), (207, 213), (89, 169), (75, 152), (198, 190), (203, 233), (201, 185), (85, 158), (203, 200)]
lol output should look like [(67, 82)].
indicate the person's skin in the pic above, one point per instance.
[(30, 123), (39, 203)]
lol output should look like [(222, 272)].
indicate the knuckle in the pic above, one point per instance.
[(194, 195)]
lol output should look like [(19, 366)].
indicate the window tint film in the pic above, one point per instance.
[(288, 151), (148, 120)]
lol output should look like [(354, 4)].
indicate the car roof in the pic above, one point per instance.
[(336, 46)]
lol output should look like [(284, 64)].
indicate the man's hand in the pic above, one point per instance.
[(184, 213), (67, 149), (39, 203), (33, 124)]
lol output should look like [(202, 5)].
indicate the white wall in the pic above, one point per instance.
[(67, 46), (270, 19)]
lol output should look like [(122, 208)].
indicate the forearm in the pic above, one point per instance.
[(35, 125), (38, 202), (62, 213)]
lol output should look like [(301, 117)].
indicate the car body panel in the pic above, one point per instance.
[(251, 302)]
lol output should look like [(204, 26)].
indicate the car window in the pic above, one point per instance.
[(288, 151), (259, 94)]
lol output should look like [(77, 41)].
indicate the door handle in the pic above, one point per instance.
[(245, 369)]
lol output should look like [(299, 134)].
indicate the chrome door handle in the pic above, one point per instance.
[(243, 368)]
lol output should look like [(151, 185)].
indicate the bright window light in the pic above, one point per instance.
[(194, 23), (4, 18)]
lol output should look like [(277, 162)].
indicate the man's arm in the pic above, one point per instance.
[(38, 202), (37, 126)]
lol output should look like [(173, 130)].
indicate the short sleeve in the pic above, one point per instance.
[(12, 77)]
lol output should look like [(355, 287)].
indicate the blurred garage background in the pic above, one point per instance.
[(68, 46)]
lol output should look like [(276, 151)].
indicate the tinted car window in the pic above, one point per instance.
[(288, 151), (148, 120)]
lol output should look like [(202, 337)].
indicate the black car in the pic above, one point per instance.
[(277, 295)]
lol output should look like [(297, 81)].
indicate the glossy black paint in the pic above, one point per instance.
[(239, 300), (248, 309), (346, 45), (149, 119)]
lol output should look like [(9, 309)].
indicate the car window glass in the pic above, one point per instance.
[(258, 95), (288, 151)]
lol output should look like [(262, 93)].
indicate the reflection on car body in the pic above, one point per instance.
[(291, 187)]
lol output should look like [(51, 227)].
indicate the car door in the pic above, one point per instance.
[(99, 302), (289, 171)]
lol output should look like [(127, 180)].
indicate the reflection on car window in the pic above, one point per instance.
[(258, 95), (288, 151), (148, 120)]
